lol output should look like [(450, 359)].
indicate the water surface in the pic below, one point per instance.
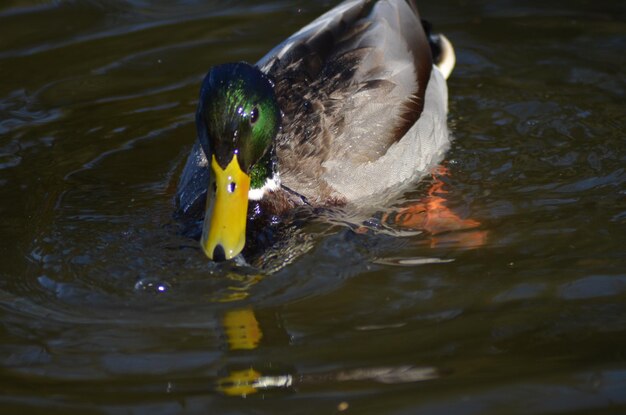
[(513, 300)]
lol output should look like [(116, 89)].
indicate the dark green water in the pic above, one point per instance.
[(106, 307)]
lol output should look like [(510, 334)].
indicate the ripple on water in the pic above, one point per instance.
[(114, 306), (19, 110), (594, 286), (523, 291)]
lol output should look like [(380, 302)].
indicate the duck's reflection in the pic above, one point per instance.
[(243, 333)]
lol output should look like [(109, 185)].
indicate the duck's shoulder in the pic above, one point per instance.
[(340, 39)]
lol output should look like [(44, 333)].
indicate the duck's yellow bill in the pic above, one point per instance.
[(224, 229)]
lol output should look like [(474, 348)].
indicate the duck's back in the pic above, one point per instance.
[(364, 108)]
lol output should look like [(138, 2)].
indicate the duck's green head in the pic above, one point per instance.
[(237, 119)]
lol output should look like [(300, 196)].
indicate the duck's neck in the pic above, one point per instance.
[(271, 184), (264, 175)]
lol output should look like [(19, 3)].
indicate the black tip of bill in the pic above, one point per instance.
[(218, 254)]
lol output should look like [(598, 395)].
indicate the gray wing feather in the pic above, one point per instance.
[(351, 84)]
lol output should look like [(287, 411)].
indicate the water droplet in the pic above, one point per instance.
[(152, 286)]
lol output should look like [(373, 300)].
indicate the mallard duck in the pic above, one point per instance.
[(345, 110)]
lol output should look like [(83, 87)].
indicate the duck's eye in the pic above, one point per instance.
[(231, 187), (254, 115)]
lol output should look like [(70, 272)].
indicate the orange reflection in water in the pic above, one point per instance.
[(432, 215)]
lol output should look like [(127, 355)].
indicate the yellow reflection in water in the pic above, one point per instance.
[(243, 333), (240, 290), (239, 383), (242, 329)]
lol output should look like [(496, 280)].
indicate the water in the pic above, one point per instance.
[(508, 298)]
